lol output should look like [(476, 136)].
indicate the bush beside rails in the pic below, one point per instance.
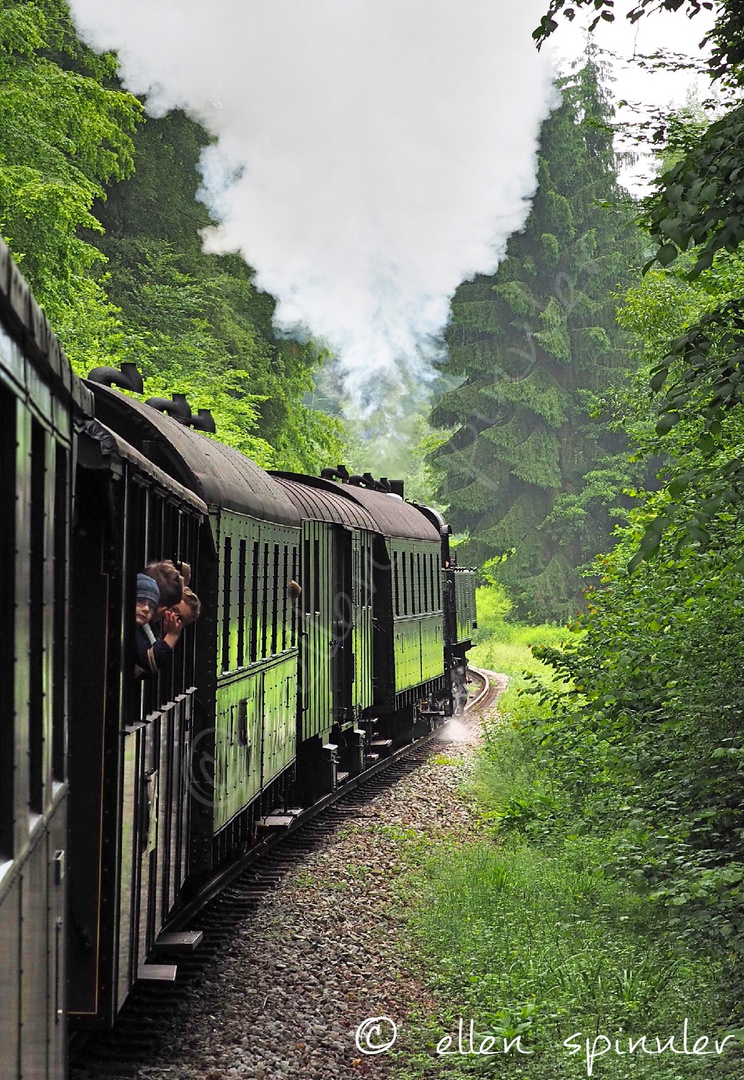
[(606, 897)]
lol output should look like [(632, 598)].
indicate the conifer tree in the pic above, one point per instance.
[(529, 474)]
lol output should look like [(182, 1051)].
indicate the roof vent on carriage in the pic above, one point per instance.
[(364, 480), (339, 473), (179, 408), (127, 377)]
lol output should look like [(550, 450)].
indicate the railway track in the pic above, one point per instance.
[(235, 894), (488, 693)]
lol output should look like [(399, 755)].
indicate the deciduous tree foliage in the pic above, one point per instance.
[(645, 731), (530, 473), (65, 132), (648, 736), (196, 323), (75, 164), (726, 37)]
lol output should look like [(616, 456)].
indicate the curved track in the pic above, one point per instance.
[(491, 687), (412, 754)]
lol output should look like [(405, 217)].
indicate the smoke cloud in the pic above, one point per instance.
[(371, 154)]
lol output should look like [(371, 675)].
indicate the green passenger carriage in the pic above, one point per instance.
[(334, 628)]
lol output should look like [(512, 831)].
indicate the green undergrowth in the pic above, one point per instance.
[(506, 647), (533, 932), (544, 946)]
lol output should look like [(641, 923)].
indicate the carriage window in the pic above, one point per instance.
[(405, 583), (227, 575), (156, 526), (254, 603), (396, 583), (306, 589), (285, 596), (275, 605), (426, 583), (7, 623), (36, 618), (265, 603), (414, 593), (363, 575), (241, 603), (316, 571), (60, 606), (295, 606)]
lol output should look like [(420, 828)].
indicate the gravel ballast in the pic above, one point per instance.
[(326, 949)]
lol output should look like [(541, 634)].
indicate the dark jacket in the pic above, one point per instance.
[(151, 653)]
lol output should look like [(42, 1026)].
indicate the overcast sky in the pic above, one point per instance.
[(663, 30)]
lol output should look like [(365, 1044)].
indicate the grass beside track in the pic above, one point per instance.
[(528, 932)]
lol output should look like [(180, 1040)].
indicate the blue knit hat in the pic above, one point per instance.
[(147, 589)]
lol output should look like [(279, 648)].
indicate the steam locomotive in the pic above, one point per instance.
[(335, 627)]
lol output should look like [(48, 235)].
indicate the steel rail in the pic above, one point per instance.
[(200, 909), (215, 885), (486, 688)]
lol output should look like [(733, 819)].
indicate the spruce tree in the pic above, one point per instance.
[(529, 474)]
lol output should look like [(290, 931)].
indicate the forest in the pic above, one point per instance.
[(593, 463), (586, 441)]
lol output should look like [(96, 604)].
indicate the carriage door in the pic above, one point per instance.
[(317, 630), (342, 648), (361, 641)]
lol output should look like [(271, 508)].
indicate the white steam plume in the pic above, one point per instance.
[(372, 154)]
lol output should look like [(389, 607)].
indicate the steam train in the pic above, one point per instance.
[(335, 627)]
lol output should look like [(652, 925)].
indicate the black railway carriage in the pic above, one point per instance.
[(41, 403), (409, 630), (408, 680), (335, 640), (459, 584), (117, 795), (245, 738), (130, 741)]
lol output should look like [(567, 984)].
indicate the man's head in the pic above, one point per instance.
[(169, 581), (189, 609), (148, 598)]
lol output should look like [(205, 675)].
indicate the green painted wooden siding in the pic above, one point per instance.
[(464, 602), (255, 737), (257, 660), (416, 597)]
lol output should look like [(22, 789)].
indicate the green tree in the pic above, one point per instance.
[(65, 132), (530, 473), (196, 323), (646, 729), (726, 60), (698, 209), (128, 280)]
